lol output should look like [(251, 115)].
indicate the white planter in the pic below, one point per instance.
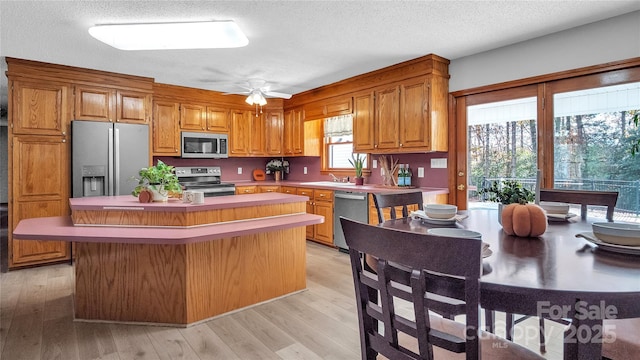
[(159, 193)]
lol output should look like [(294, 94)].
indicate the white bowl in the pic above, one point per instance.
[(455, 232), (555, 207), (440, 211), (617, 233)]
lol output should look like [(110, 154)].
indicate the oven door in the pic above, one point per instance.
[(218, 191)]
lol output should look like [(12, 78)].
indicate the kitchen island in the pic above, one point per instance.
[(178, 264)]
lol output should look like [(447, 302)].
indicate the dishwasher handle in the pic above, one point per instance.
[(350, 196)]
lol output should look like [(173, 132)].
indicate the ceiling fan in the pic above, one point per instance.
[(258, 90)]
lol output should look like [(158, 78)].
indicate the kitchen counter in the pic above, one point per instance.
[(178, 264), (329, 185)]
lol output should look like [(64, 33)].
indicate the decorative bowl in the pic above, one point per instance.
[(455, 232), (440, 211), (555, 207), (617, 233)]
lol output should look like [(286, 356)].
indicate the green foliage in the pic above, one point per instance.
[(156, 176), (635, 146), (508, 192), (358, 163)]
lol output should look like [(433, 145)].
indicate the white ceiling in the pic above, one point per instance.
[(294, 45)]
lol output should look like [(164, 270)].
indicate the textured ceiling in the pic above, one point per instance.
[(294, 45)]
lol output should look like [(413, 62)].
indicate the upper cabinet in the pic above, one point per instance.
[(341, 105), (39, 107), (273, 132), (363, 131), (253, 135), (293, 140), (109, 104), (239, 138), (217, 119), (193, 117), (165, 131)]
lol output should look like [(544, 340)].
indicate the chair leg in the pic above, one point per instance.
[(543, 347), (509, 326)]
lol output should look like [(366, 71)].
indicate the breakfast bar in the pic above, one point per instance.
[(175, 263)]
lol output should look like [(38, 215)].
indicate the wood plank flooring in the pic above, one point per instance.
[(36, 322)]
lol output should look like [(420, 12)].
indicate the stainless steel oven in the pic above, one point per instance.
[(204, 145), (205, 179)]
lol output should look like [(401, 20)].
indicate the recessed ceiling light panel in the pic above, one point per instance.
[(164, 36)]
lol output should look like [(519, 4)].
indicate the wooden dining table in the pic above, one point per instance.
[(554, 275)]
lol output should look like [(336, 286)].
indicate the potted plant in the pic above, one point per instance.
[(277, 167), (358, 163), (159, 179), (507, 192)]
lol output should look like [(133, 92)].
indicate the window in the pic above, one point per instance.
[(338, 143)]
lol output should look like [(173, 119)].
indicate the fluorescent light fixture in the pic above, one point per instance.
[(164, 36), (256, 98)]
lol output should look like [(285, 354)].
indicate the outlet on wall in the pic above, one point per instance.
[(420, 172), (374, 164), (239, 171), (305, 170)]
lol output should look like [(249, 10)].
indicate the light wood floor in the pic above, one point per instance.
[(36, 322)]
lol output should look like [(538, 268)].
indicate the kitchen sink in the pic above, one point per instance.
[(328, 183)]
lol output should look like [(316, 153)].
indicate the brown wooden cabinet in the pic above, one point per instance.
[(257, 136), (273, 132), (363, 124), (253, 135), (341, 105), (217, 119), (387, 117), (166, 134), (246, 189), (109, 104), (240, 133), (39, 107), (293, 137), (288, 190), (268, 188), (320, 203), (39, 185), (193, 117)]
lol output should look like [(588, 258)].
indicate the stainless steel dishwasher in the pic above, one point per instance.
[(350, 204)]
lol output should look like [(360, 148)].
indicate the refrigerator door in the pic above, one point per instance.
[(131, 153), (90, 158)]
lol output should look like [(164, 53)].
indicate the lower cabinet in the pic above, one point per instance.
[(320, 203), (249, 189), (268, 188)]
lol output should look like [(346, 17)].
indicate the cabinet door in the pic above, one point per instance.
[(310, 209), (39, 173), (324, 232), (288, 190), (293, 143), (94, 103), (257, 143), (363, 127), (240, 133), (250, 189), (273, 131), (193, 117), (268, 188), (387, 104), (414, 112), (217, 119), (166, 134), (133, 107), (41, 108)]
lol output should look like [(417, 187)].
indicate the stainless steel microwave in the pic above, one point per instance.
[(197, 145)]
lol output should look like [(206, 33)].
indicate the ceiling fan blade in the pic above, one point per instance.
[(277, 94)]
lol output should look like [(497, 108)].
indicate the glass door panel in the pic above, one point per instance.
[(502, 145)]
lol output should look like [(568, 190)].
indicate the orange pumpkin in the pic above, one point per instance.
[(525, 220)]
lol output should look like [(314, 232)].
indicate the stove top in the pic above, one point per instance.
[(205, 179)]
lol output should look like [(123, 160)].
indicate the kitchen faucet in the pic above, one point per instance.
[(335, 178)]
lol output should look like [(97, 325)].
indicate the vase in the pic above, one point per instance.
[(277, 175), (359, 181), (159, 193)]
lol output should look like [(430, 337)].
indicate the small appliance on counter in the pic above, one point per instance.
[(205, 179), (259, 175)]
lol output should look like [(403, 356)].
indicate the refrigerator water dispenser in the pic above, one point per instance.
[(93, 180)]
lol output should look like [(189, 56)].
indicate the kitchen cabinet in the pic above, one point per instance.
[(246, 189), (398, 118), (268, 188), (166, 133), (39, 107), (39, 185), (273, 120), (293, 128), (336, 106), (109, 104), (255, 135), (288, 190), (217, 119), (240, 133), (320, 203), (193, 117)]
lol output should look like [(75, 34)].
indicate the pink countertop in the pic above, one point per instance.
[(370, 188), (128, 202), (62, 228)]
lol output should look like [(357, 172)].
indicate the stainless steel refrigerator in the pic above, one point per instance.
[(104, 157)]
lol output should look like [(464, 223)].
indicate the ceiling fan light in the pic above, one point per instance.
[(165, 36), (256, 98)]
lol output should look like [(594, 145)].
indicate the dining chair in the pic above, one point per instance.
[(397, 201), (584, 198), (410, 267)]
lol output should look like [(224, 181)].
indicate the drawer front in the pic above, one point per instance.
[(306, 192), (288, 190), (323, 195), (269, 188)]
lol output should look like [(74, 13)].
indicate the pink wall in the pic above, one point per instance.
[(229, 167)]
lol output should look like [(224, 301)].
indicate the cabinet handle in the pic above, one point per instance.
[(400, 144), (64, 133)]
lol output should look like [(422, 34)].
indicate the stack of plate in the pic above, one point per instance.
[(626, 234), (556, 211), (462, 233)]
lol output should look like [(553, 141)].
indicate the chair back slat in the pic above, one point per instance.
[(399, 201), (584, 198), (410, 267)]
